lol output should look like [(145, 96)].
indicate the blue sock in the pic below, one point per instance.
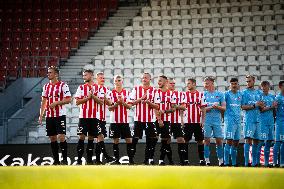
[(282, 154), (259, 146), (246, 153), (206, 151), (267, 152), (227, 154), (234, 152), (275, 152), (219, 151), (254, 154)]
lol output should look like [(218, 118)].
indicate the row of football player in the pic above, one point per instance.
[(162, 112)]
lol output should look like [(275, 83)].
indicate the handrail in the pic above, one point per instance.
[(6, 113)]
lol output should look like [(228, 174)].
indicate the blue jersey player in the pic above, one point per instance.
[(215, 105), (279, 128), (232, 120), (250, 104), (266, 122)]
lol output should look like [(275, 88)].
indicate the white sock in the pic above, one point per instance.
[(221, 161), (207, 160), (151, 160), (161, 161)]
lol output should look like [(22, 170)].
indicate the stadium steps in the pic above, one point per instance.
[(71, 70)]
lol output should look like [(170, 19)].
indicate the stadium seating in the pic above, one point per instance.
[(178, 38), (49, 28)]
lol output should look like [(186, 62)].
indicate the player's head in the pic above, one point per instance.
[(234, 84), (209, 82), (250, 79), (191, 84), (52, 72), (281, 86), (146, 78), (100, 78), (265, 86), (118, 81), (162, 81), (172, 84), (88, 75)]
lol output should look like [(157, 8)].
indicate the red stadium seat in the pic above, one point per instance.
[(25, 67), (84, 33), (75, 4), (53, 61), (13, 72), (74, 43), (74, 23), (84, 23), (45, 51), (55, 51), (74, 13), (64, 54), (93, 24)]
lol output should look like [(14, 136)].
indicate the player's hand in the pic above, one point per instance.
[(201, 125), (162, 112), (110, 108), (52, 105), (260, 104), (274, 104), (161, 123), (215, 105), (144, 97), (40, 120)]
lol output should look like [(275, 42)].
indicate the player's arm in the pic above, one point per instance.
[(158, 116), (267, 108), (179, 107), (251, 106), (80, 101), (222, 108), (98, 100), (127, 105), (152, 104), (66, 100), (139, 100), (113, 106), (42, 109), (203, 114)]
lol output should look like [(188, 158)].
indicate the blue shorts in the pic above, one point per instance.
[(252, 130), (279, 131), (232, 129), (266, 131), (213, 130)]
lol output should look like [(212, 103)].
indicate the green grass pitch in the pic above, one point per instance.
[(115, 177)]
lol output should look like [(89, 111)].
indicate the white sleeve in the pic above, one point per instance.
[(43, 94), (157, 98), (66, 91), (78, 93), (133, 94)]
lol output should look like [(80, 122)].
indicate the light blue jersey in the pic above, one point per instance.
[(250, 97), (213, 118), (251, 117), (267, 118), (232, 116), (279, 129)]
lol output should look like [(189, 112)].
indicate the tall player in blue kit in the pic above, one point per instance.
[(232, 120), (266, 122), (279, 128), (215, 105), (250, 104)]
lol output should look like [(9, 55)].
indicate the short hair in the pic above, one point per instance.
[(281, 83), (192, 80), (54, 68), (99, 73), (250, 76), (117, 76), (171, 78), (209, 78), (89, 71), (147, 73), (164, 77), (234, 80), (264, 83)]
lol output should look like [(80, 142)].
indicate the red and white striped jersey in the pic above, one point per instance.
[(89, 108), (120, 113), (178, 99), (143, 112), (54, 93), (102, 108), (165, 102), (194, 101)]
